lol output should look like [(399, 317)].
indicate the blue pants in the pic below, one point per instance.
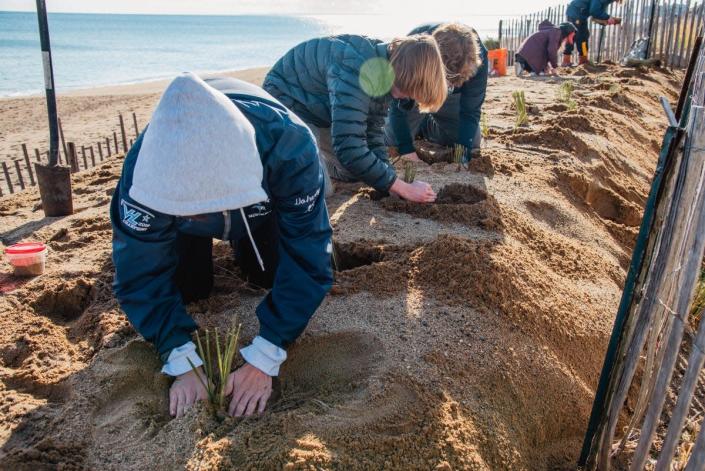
[(440, 127), (581, 37)]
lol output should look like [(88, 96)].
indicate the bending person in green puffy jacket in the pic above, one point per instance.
[(341, 87)]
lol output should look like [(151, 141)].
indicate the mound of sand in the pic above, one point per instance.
[(465, 334)]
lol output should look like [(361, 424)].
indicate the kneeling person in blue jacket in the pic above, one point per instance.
[(458, 120), (222, 160)]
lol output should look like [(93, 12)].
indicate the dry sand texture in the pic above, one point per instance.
[(467, 334)]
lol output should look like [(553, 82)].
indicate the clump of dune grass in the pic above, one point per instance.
[(458, 155), (565, 95), (217, 369), (409, 172), (484, 126), (522, 117)]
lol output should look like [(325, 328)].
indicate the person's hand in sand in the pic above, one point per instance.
[(185, 391), (250, 389), (417, 191), (411, 157)]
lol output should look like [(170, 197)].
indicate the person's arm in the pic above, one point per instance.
[(399, 123), (472, 96), (349, 131), (145, 259), (304, 274), (598, 10)]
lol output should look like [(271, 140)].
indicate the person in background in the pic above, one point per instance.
[(457, 121), (341, 87), (539, 52), (222, 160), (578, 13)]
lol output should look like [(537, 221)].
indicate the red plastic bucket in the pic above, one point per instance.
[(28, 258)]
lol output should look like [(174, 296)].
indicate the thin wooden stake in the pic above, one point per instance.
[(92, 157), (137, 129), (83, 155), (7, 177), (73, 158), (37, 155), (29, 165), (107, 146), (122, 130), (19, 173), (116, 144), (100, 150)]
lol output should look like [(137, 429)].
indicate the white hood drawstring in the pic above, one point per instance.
[(252, 240)]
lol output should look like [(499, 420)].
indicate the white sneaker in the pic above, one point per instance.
[(518, 69)]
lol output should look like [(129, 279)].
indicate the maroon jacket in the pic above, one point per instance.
[(542, 47)]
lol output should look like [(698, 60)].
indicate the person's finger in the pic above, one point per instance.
[(190, 397), (263, 401), (180, 403), (237, 397), (173, 399), (242, 404), (252, 405), (229, 384)]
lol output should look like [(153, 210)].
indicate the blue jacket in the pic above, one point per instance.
[(319, 80), (145, 255), (582, 9), (472, 96)]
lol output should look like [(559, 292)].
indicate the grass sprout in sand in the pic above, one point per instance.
[(459, 155), (217, 369), (409, 172), (522, 118), (484, 125), (565, 95)]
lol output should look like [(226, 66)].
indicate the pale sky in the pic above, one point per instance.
[(302, 7)]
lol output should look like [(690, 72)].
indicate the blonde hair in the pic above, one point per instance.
[(419, 71), (460, 50)]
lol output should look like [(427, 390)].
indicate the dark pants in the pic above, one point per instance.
[(581, 38), (524, 65), (194, 273), (441, 127)]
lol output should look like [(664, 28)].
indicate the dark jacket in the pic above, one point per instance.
[(542, 47), (472, 96), (145, 255), (583, 9), (319, 80)]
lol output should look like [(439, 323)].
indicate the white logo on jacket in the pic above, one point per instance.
[(136, 218), (308, 200)]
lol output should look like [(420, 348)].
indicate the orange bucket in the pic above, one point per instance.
[(497, 59)]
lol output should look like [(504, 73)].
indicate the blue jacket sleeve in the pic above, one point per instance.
[(598, 9), (351, 133), (400, 126), (472, 96), (145, 259), (304, 274)]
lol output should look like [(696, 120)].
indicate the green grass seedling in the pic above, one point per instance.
[(409, 172), (217, 370), (458, 155), (522, 118), (565, 95), (484, 126)]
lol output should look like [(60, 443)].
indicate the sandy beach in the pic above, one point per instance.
[(464, 334), (87, 115)]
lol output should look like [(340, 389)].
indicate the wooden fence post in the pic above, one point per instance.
[(63, 142), (92, 157), (38, 155), (122, 130), (7, 177), (499, 37), (100, 150), (19, 173), (116, 144), (29, 165), (134, 121), (107, 146), (83, 155), (73, 158)]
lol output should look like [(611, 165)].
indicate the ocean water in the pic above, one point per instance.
[(97, 49)]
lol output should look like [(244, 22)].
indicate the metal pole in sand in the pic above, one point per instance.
[(54, 180)]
